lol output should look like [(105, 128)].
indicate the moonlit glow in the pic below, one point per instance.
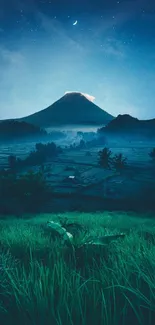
[(47, 48), (75, 23)]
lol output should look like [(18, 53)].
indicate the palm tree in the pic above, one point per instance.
[(119, 162), (105, 158)]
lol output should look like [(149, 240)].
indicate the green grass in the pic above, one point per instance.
[(40, 283)]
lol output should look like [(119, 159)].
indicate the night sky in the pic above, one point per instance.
[(109, 54)]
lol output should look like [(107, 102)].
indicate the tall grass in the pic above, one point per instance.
[(40, 284)]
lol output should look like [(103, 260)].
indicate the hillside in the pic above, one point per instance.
[(71, 109), (12, 129), (126, 124)]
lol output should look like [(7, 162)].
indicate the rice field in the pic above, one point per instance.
[(91, 179), (136, 153)]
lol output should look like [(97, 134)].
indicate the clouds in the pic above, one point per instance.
[(89, 97)]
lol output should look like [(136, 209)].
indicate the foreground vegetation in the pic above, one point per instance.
[(22, 194), (44, 282), (36, 157)]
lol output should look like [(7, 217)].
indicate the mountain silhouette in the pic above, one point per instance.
[(126, 124), (12, 129), (71, 109)]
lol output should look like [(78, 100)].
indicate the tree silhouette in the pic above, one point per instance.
[(119, 162), (26, 193), (42, 152), (105, 158)]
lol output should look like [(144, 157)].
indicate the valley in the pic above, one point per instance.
[(77, 174)]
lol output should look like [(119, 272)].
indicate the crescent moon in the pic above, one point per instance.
[(75, 23)]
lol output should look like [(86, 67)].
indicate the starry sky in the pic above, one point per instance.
[(109, 54)]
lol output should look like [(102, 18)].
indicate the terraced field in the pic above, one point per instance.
[(89, 177), (136, 153)]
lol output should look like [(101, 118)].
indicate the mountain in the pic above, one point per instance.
[(126, 124), (72, 109), (14, 130)]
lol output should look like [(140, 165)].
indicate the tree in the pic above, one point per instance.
[(105, 158), (27, 193), (32, 190), (35, 158), (42, 153), (119, 162), (39, 147)]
